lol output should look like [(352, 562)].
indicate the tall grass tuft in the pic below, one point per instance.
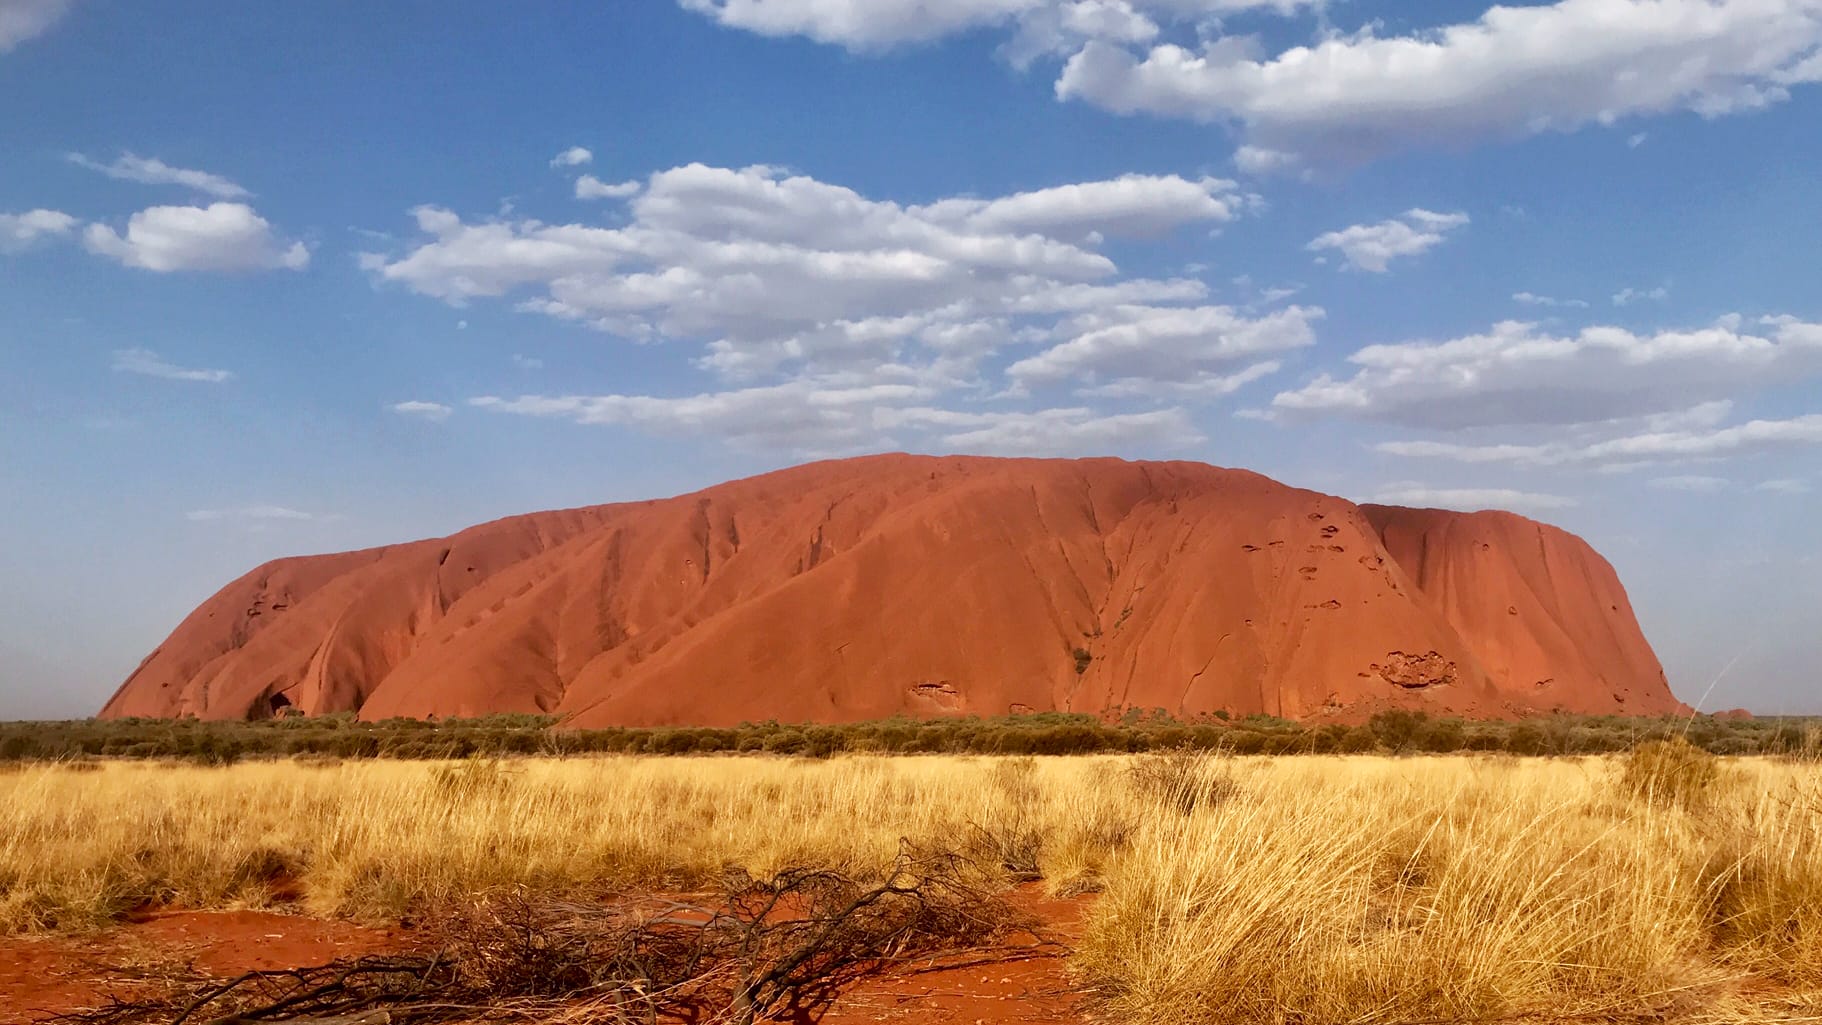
[(1673, 772), (1184, 778)]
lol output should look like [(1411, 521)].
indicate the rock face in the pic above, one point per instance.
[(865, 588)]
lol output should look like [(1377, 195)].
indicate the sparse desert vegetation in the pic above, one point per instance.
[(216, 742), (1364, 888)]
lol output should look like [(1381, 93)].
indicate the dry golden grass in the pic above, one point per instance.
[(1310, 890), (1372, 890), (374, 839)]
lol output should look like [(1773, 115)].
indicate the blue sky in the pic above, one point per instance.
[(277, 279)]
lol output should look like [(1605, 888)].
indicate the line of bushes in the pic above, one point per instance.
[(343, 736)]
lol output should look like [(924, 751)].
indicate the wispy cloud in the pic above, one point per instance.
[(434, 411), (152, 171), (23, 19), (149, 364), (1549, 302), (1468, 499), (1691, 482), (1630, 451), (251, 513), (1785, 486), (1628, 296)]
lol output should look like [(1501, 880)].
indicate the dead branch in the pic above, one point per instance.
[(759, 948)]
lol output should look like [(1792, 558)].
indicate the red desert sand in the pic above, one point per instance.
[(41, 977), (1025, 980), (909, 585)]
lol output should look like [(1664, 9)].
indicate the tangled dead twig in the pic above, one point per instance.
[(317, 994), (761, 947)]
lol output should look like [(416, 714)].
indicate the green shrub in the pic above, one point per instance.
[(215, 749), (1397, 730), (1247, 742), (784, 743), (1037, 733), (1527, 739), (1443, 735)]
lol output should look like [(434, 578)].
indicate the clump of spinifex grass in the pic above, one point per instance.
[(1372, 891), (1673, 772), (1768, 886), (1184, 778)]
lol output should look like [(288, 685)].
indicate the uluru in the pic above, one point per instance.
[(915, 585)]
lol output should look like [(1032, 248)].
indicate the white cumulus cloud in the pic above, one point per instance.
[(1133, 205), (219, 237), (1518, 373), (575, 156), (590, 187), (1512, 72), (1182, 346), (1350, 96), (775, 271), (1373, 247), (837, 414), (23, 230), (834, 321), (862, 24), (1039, 26), (821, 414)]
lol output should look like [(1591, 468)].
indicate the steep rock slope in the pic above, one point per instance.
[(870, 587)]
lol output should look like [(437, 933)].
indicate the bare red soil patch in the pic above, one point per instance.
[(1024, 980), (42, 976)]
